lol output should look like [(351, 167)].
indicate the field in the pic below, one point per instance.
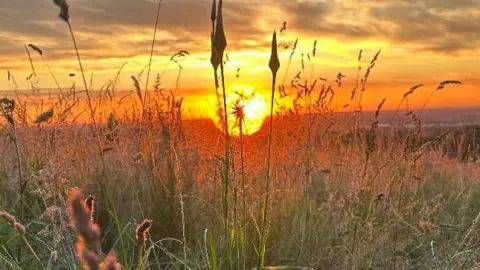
[(86, 183)]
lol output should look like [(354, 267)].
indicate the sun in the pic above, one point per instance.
[(247, 106)]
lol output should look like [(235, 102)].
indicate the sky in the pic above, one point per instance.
[(421, 42)]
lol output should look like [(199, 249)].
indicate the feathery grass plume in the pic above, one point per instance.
[(45, 116), (88, 232), (410, 92), (37, 49), (142, 231), (274, 65), (314, 53), (64, 10), (440, 86), (90, 203), (113, 131), (136, 84), (110, 262)]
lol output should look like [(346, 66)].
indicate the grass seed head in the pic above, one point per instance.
[(64, 9), (142, 230), (86, 228), (35, 48)]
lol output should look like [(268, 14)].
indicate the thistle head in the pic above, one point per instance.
[(64, 9), (274, 61), (220, 38)]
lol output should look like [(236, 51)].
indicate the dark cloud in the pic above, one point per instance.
[(418, 23), (105, 28)]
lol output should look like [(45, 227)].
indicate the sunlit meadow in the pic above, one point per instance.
[(236, 153)]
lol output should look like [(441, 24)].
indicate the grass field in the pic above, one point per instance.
[(140, 187)]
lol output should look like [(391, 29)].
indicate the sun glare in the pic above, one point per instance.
[(245, 105)]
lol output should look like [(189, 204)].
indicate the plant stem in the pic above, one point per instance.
[(149, 68), (242, 161), (263, 237), (227, 164)]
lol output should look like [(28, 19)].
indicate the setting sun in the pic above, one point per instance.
[(247, 103)]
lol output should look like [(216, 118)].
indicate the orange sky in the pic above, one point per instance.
[(422, 42)]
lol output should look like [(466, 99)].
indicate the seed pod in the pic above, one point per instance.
[(220, 38), (274, 61)]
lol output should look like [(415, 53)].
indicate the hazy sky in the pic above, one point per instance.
[(422, 41)]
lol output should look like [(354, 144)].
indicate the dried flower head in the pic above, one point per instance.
[(274, 61), (142, 230), (64, 9)]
